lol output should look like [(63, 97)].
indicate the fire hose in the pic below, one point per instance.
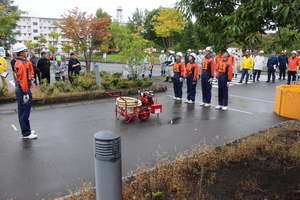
[(128, 102)]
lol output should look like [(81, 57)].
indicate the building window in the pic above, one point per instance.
[(34, 23), (19, 27), (53, 22), (63, 36), (24, 34), (54, 29), (49, 22), (35, 30), (35, 38), (49, 28)]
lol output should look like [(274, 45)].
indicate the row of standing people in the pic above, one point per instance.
[(190, 71)]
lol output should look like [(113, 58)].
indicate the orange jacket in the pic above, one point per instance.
[(23, 70), (208, 63), (231, 59), (293, 63), (218, 60), (192, 68), (225, 67), (179, 67)]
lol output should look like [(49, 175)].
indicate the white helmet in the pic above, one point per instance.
[(200, 51), (187, 50), (247, 51), (162, 51), (233, 51), (294, 52), (194, 55), (261, 51), (171, 52), (19, 47), (179, 54), (208, 49)]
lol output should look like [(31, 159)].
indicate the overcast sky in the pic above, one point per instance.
[(55, 8)]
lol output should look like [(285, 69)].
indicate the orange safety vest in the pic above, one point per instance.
[(179, 67), (24, 71), (293, 63), (225, 67), (231, 59), (192, 68), (208, 64)]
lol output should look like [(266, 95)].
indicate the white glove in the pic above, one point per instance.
[(26, 98), (228, 83), (210, 80), (180, 79)]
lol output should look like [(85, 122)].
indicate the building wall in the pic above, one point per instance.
[(31, 27)]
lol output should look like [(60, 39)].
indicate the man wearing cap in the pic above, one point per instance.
[(162, 59), (283, 61), (247, 63), (272, 65), (293, 64), (186, 57), (169, 65), (258, 65)]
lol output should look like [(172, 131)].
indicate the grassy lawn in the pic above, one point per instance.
[(264, 165)]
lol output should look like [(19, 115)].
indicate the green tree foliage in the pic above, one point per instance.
[(30, 45), (67, 47), (8, 17), (136, 23), (131, 47), (41, 42), (242, 21), (168, 22), (52, 48)]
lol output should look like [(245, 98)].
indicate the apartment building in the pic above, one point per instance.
[(31, 27)]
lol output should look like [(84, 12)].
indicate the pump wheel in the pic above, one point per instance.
[(144, 114)]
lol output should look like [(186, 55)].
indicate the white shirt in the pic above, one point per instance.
[(259, 62)]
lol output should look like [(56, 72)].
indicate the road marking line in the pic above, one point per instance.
[(14, 127), (12, 82), (236, 110), (252, 99)]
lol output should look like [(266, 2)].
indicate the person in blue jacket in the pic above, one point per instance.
[(272, 65), (283, 61), (73, 67)]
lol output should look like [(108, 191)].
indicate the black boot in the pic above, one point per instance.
[(162, 73), (167, 79), (235, 75), (240, 81), (150, 76), (171, 79), (143, 75)]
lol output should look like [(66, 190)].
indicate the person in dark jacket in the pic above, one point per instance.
[(283, 61), (73, 67), (272, 65), (12, 63), (44, 66), (37, 74)]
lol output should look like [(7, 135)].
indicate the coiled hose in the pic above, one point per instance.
[(130, 102)]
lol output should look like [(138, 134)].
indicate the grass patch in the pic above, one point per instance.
[(264, 165)]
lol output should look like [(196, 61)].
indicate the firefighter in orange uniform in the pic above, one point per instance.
[(224, 75), (178, 71), (207, 75), (191, 81), (23, 71), (293, 63)]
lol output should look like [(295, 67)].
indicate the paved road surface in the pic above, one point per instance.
[(63, 153)]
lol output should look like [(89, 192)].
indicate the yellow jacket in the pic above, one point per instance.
[(247, 63), (3, 64)]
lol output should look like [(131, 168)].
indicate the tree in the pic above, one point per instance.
[(131, 46), (86, 31), (54, 37), (100, 13), (168, 22), (41, 42), (67, 47), (8, 17), (30, 45), (52, 48), (242, 21), (137, 21)]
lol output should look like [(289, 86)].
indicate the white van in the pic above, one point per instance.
[(2, 52)]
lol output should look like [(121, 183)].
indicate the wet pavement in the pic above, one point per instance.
[(63, 153)]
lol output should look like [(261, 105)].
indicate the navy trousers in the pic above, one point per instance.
[(271, 71), (223, 90), (177, 85), (191, 88), (24, 111), (206, 87), (282, 69)]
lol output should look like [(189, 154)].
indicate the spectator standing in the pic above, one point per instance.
[(73, 67), (59, 69), (247, 63), (162, 59), (12, 63), (169, 65), (186, 57), (258, 65), (57, 57), (3, 68), (37, 74), (272, 65), (283, 61), (44, 66)]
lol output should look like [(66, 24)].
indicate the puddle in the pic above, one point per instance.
[(175, 120)]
